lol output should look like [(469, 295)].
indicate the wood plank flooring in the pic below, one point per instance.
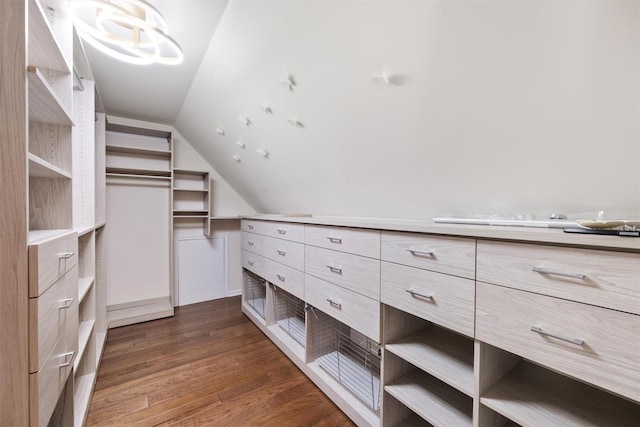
[(206, 366)]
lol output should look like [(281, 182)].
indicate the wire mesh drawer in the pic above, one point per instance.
[(348, 356), (255, 291), (289, 314)]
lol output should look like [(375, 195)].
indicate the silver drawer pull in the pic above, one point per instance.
[(559, 273), (334, 303), (282, 253), (419, 252), (335, 239), (66, 255), (576, 341), (282, 231), (69, 358), (65, 303), (335, 269), (280, 277), (250, 227), (418, 294), (250, 263), (250, 243)]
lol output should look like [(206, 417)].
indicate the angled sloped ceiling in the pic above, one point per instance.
[(497, 106)]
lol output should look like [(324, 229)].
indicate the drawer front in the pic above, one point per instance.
[(442, 299), (352, 309), (283, 251), (255, 263), (46, 384), (605, 279), (49, 316), (351, 240), (281, 230), (49, 260), (286, 278), (353, 272), (450, 255), (609, 357)]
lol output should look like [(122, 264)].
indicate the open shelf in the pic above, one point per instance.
[(84, 334), (44, 104), (83, 386), (444, 354), (42, 169), (84, 284), (138, 150), (532, 395), (432, 399), (132, 172), (40, 236), (142, 312), (44, 50)]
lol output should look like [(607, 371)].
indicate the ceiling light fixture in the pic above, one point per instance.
[(132, 31)]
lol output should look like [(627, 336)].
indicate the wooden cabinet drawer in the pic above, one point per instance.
[(46, 384), (354, 310), (440, 298), (353, 272), (287, 278), (281, 230), (608, 357), (602, 278), (49, 260), (450, 255), (352, 240), (254, 263), (49, 316), (282, 251)]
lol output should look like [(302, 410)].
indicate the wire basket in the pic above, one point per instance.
[(255, 292), (349, 357), (289, 314)]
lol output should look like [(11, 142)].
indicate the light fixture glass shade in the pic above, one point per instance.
[(132, 31)]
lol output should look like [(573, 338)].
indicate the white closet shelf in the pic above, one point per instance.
[(44, 104), (225, 218), (41, 236), (139, 173), (432, 399), (84, 333), (532, 395), (44, 50), (40, 168), (190, 172), (83, 385), (138, 150), (85, 230), (157, 309), (446, 355), (84, 284), (192, 190)]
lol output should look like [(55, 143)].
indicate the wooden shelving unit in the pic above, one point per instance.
[(192, 197)]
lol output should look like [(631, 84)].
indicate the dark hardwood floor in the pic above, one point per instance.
[(206, 366)]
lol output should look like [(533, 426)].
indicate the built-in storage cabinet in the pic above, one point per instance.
[(191, 197), (413, 339), (138, 152)]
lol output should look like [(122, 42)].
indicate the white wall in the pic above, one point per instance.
[(494, 106)]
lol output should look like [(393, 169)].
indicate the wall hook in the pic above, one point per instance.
[(295, 122), (220, 131), (244, 119), (265, 108), (236, 157), (384, 77), (263, 151), (240, 144), (288, 81)]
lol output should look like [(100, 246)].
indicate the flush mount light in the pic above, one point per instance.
[(132, 31)]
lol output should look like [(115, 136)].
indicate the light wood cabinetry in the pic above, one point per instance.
[(473, 331), (192, 197)]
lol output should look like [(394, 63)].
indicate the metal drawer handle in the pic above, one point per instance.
[(559, 273), (419, 252), (282, 231), (335, 239), (250, 243), (282, 253), (576, 341), (418, 294), (335, 269), (250, 263), (65, 303), (334, 303), (70, 359), (281, 278), (66, 255), (250, 226)]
